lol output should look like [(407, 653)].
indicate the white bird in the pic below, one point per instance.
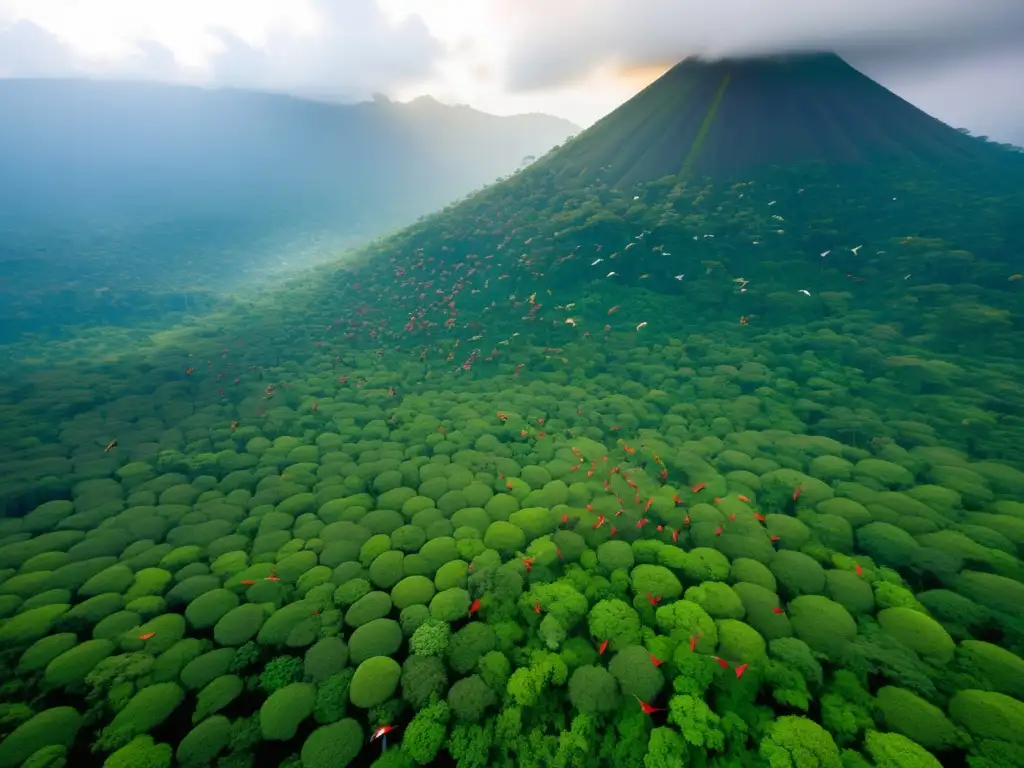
[(636, 197), (641, 325), (611, 274), (804, 291), (595, 262), (826, 253), (679, 277), (854, 250), (665, 253), (772, 203)]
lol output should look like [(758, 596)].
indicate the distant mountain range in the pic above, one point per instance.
[(72, 148)]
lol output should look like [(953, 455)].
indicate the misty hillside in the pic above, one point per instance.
[(83, 148)]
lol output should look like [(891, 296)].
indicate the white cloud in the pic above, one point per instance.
[(575, 58)]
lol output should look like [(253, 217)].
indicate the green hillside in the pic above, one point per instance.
[(731, 116), (706, 470)]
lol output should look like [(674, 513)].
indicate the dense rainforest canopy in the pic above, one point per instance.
[(692, 471)]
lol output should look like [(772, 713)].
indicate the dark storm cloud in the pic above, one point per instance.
[(574, 37), (958, 59)]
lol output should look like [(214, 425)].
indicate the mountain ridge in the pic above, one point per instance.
[(723, 117), (82, 141)]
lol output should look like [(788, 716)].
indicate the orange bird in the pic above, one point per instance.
[(272, 577), (743, 498), (528, 562), (247, 582), (647, 708), (699, 487), (796, 493), (147, 636)]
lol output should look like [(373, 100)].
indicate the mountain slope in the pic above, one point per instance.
[(82, 148), (726, 117), (117, 198)]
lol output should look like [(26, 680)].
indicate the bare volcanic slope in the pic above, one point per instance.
[(720, 118)]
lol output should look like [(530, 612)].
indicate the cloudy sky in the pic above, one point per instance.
[(578, 59)]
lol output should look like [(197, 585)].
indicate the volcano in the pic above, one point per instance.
[(726, 117)]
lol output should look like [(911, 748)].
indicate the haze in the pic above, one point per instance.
[(574, 59)]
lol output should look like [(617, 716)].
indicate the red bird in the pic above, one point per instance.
[(656, 661), (559, 553), (675, 535), (647, 708), (147, 636), (796, 493), (647, 506), (721, 662), (743, 498), (247, 582), (693, 641), (661, 528), (528, 562), (536, 608), (565, 518), (272, 577), (774, 538), (642, 522), (601, 520), (686, 520), (777, 610), (718, 531), (474, 607), (759, 517), (384, 730), (613, 530), (699, 487), (676, 499), (858, 570), (652, 599), (603, 648), (740, 670)]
